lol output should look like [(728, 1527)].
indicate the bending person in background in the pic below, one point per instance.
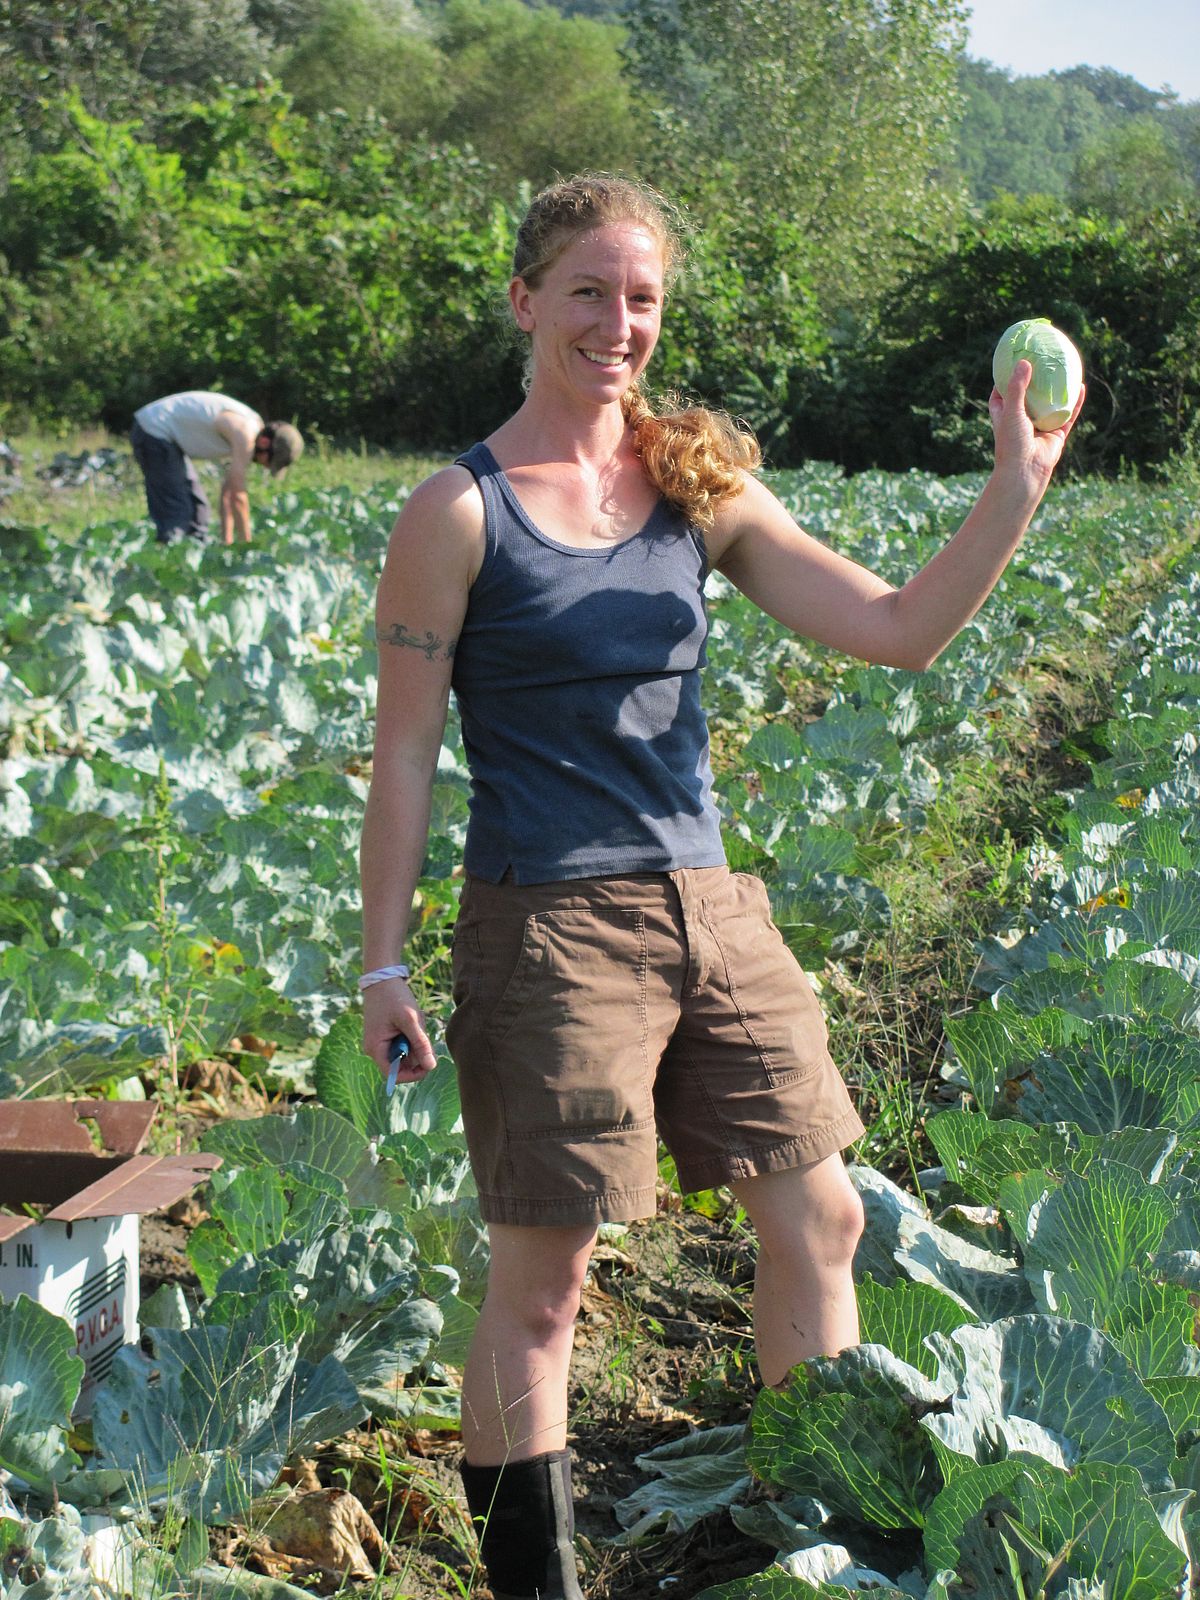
[(612, 978), (167, 433)]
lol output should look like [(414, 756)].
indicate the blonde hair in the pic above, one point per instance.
[(694, 457)]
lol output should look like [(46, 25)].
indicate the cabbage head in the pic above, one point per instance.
[(1057, 369)]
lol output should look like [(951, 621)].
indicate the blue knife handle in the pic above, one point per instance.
[(397, 1052)]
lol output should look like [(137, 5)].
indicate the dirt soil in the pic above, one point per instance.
[(663, 1346)]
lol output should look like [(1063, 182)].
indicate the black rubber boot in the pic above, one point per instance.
[(526, 1522)]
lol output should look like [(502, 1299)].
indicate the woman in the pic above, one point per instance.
[(612, 978)]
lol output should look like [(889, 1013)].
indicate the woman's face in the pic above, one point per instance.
[(594, 317)]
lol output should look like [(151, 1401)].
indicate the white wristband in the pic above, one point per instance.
[(382, 974)]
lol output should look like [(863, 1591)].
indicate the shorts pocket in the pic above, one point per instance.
[(522, 978), (494, 963), (774, 1000), (568, 1037)]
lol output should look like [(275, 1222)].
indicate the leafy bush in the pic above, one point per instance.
[(276, 258), (912, 389)]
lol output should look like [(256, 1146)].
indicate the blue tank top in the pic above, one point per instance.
[(577, 678)]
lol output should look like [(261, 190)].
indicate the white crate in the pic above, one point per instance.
[(80, 1258)]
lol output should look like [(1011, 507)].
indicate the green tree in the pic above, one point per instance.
[(52, 48), (743, 328), (322, 269), (102, 52), (605, 10), (1115, 91), (283, 22), (1023, 136), (195, 43), (536, 93), (375, 55), (117, 61), (1134, 169), (105, 193), (1183, 124), (835, 119), (1067, 134)]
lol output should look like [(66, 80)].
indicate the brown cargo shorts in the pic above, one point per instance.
[(593, 1014)]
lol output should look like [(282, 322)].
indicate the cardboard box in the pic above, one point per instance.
[(80, 1258)]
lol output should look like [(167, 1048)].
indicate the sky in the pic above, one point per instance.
[(1155, 41)]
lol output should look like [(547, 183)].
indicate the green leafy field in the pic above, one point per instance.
[(187, 739)]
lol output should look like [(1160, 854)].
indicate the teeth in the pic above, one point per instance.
[(603, 361)]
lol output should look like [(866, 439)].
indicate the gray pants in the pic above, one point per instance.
[(174, 495)]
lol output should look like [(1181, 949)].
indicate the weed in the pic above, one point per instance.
[(169, 998)]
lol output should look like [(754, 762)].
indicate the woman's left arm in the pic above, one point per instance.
[(825, 596)]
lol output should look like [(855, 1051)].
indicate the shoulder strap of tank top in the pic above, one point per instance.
[(483, 467)]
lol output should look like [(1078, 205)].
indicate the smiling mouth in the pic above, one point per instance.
[(599, 359)]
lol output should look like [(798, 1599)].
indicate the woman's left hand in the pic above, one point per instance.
[(1020, 448)]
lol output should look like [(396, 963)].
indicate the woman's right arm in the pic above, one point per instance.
[(434, 553)]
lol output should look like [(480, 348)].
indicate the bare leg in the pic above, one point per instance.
[(514, 1398), (809, 1221)]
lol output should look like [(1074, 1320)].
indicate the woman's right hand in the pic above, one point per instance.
[(389, 1009)]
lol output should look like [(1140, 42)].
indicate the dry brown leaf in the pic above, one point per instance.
[(187, 1213), (206, 1076), (329, 1527), (429, 1443), (291, 1569), (251, 1044), (412, 1511), (302, 1477)]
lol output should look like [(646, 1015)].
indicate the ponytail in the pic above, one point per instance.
[(694, 457)]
